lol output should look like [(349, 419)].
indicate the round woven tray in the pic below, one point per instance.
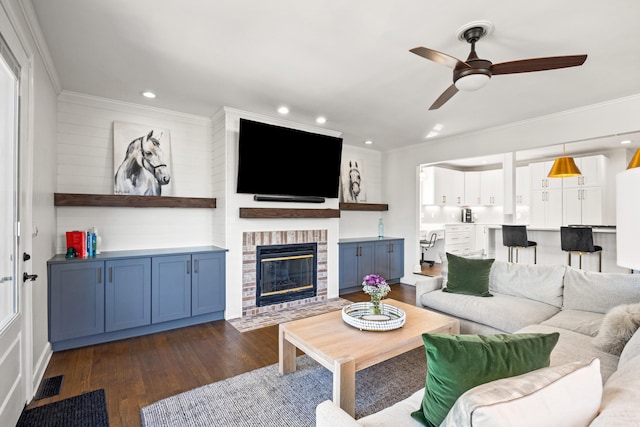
[(360, 315)]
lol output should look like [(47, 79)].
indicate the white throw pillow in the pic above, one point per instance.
[(568, 395)]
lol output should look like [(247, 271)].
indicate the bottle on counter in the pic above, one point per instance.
[(380, 228)]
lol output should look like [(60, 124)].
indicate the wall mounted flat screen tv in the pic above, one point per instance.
[(274, 160)]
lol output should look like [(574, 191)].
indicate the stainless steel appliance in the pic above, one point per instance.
[(467, 215)]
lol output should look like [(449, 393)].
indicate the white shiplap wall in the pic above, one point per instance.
[(85, 165)]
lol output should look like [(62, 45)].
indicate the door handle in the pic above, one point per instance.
[(30, 277)]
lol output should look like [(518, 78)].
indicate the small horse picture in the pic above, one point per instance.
[(352, 183), (143, 169)]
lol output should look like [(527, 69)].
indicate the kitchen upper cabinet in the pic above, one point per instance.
[(583, 195), (592, 169), (472, 188), (491, 187), (539, 181), (441, 186)]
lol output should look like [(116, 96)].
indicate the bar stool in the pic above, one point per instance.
[(579, 240), (515, 236)]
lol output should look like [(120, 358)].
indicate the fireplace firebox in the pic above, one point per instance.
[(286, 273)]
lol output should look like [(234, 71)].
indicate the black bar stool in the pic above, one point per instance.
[(579, 240), (515, 236)]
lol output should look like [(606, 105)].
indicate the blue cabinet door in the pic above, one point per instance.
[(356, 260), (76, 300), (389, 259), (127, 293), (170, 288), (208, 283)]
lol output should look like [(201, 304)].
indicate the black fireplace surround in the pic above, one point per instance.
[(286, 273)]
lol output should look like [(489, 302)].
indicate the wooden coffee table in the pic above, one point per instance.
[(344, 350)]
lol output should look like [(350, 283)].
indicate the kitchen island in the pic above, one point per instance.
[(550, 252)]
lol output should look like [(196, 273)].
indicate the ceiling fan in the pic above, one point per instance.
[(474, 73)]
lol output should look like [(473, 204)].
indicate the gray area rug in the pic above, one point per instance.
[(263, 398)]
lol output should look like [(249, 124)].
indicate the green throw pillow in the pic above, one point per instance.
[(468, 276), (457, 363)]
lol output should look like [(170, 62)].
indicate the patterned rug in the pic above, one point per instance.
[(262, 320), (263, 398)]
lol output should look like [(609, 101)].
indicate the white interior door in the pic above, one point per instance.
[(14, 366)]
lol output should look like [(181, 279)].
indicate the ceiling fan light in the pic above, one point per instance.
[(472, 82), (635, 161), (564, 167)]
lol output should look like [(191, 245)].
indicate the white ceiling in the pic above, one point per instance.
[(347, 60)]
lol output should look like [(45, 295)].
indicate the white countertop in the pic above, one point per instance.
[(596, 229)]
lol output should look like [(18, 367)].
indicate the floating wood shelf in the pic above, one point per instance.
[(364, 207), (288, 213), (118, 200)]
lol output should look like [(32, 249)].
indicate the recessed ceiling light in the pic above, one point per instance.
[(626, 141), (283, 110), (368, 142), (148, 94), (321, 120)]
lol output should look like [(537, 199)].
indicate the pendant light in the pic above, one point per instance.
[(635, 161), (564, 167)]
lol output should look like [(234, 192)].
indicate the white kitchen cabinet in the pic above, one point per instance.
[(546, 208), (539, 181), (441, 186), (491, 187), (459, 239), (522, 186), (472, 188), (582, 195)]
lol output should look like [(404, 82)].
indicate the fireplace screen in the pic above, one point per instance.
[(285, 273)]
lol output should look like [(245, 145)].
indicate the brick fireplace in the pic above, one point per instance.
[(251, 240)]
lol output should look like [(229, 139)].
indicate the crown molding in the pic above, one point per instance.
[(40, 43)]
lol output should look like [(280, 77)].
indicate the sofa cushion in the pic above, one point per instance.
[(573, 347), (537, 282), (549, 393), (631, 350), (468, 276), (620, 397), (583, 322), (457, 363), (503, 312), (599, 292), (398, 414)]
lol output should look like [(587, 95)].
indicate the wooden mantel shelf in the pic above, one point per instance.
[(364, 207), (118, 200), (288, 213)]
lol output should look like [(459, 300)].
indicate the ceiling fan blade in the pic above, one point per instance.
[(439, 57), (446, 95), (537, 64)]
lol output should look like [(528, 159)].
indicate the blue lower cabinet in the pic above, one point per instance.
[(208, 283), (170, 288), (76, 300), (127, 293)]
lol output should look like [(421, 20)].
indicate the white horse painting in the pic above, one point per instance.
[(144, 170), (352, 183)]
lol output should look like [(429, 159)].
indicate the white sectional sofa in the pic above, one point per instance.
[(540, 299)]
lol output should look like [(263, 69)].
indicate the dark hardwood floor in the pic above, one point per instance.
[(139, 371)]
